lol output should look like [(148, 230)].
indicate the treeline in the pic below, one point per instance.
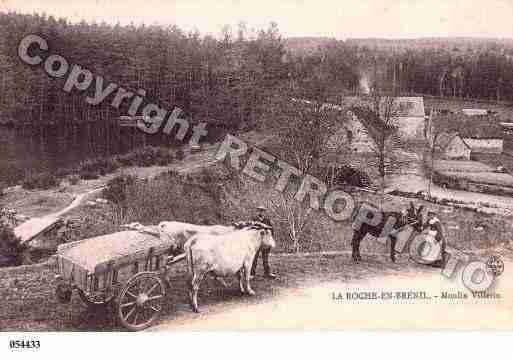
[(447, 67), (453, 67), (204, 76), (485, 73), (225, 81)]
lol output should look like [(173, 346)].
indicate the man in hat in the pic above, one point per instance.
[(262, 218), (434, 227)]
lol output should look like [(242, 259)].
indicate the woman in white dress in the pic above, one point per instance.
[(435, 239)]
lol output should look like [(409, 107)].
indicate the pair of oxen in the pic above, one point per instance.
[(220, 251)]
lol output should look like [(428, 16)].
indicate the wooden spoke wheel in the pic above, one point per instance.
[(94, 302), (140, 302)]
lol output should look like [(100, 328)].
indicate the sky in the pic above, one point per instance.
[(331, 18)]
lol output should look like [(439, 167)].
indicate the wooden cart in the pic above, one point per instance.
[(124, 269)]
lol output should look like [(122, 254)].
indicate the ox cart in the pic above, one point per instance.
[(126, 270)]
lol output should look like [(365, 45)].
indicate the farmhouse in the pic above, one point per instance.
[(452, 147)]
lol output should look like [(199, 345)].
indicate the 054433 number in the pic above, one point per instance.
[(24, 344)]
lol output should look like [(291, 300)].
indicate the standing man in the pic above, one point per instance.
[(262, 218), (434, 228)]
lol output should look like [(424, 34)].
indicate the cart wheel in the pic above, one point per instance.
[(94, 303), (140, 302)]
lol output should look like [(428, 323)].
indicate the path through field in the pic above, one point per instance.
[(32, 227)]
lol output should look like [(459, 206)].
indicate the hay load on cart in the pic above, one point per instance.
[(124, 269)]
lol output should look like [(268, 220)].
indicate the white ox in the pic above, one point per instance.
[(224, 255), (180, 232)]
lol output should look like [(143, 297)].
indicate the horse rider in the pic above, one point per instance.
[(262, 218), (434, 228)]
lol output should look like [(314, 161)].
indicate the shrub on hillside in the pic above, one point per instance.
[(99, 165), (347, 175), (180, 154), (41, 180), (146, 156), (10, 247), (62, 172), (89, 175), (116, 190), (73, 179), (12, 174), (167, 199), (164, 156), (126, 159)]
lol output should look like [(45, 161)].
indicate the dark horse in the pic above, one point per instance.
[(412, 217)]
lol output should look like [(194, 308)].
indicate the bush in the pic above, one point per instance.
[(100, 165), (89, 175), (62, 172), (10, 247), (41, 180), (164, 156), (117, 188), (146, 156), (347, 175), (74, 179), (126, 160), (12, 174), (180, 154), (166, 199)]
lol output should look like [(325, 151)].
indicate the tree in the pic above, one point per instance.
[(435, 128), (292, 215), (304, 129), (378, 116)]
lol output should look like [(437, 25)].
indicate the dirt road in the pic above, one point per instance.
[(413, 180), (314, 307)]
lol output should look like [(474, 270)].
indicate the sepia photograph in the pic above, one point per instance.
[(232, 165)]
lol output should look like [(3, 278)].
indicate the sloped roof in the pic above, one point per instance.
[(444, 139), (410, 106)]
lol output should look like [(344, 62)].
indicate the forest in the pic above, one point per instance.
[(224, 80)]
